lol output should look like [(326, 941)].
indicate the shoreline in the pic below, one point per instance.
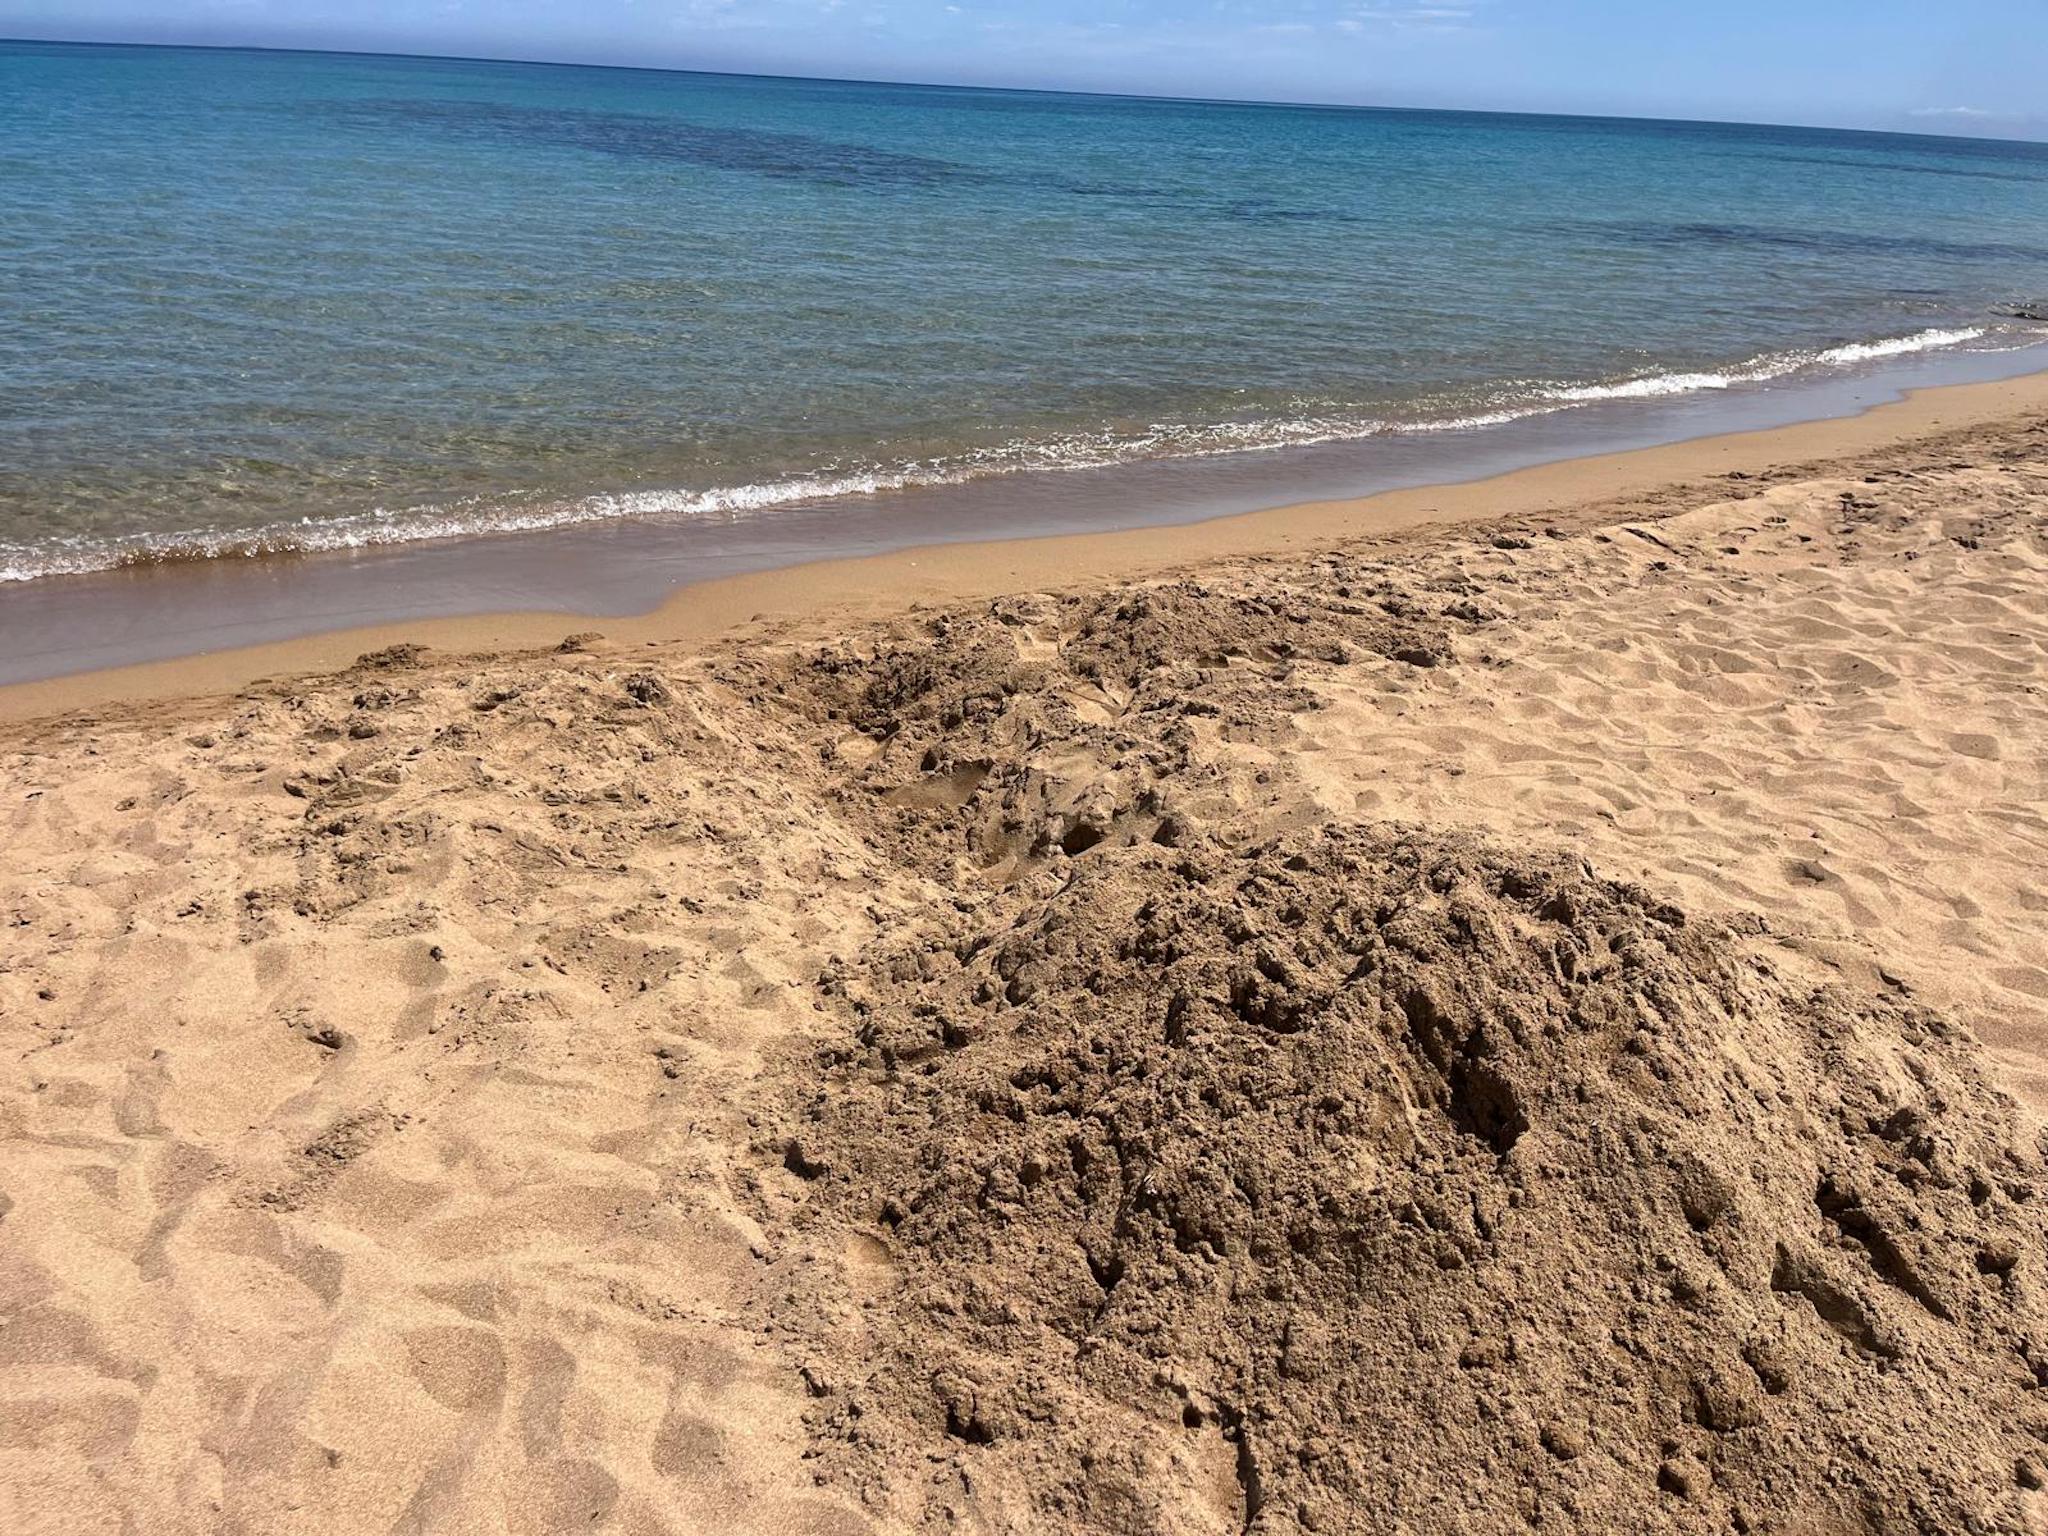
[(831, 591)]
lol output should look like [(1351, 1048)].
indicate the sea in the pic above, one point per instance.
[(259, 302)]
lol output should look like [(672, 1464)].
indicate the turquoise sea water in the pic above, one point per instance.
[(256, 300)]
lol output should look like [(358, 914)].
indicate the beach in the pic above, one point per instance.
[(1518, 1004)]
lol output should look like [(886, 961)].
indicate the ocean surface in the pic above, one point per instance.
[(253, 301)]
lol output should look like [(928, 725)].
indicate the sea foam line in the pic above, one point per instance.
[(1094, 450), (1762, 370)]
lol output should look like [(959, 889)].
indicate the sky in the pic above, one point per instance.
[(1938, 66)]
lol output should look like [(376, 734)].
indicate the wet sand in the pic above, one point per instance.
[(1517, 1005)]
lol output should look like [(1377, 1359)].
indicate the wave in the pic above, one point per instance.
[(1776, 365), (534, 512)]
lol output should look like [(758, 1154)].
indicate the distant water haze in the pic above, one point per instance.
[(252, 302)]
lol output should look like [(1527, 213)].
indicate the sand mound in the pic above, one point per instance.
[(1375, 1180)]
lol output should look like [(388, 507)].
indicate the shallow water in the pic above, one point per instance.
[(257, 301), (620, 566)]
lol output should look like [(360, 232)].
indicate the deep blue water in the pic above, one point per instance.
[(254, 300)]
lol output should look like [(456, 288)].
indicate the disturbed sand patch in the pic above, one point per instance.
[(1371, 1179)]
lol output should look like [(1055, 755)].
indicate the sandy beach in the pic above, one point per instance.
[(1510, 1006)]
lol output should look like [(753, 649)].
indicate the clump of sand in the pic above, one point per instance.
[(1377, 1180)]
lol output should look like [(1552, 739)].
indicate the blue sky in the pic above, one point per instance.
[(1961, 66)]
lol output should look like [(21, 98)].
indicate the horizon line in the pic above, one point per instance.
[(1005, 90)]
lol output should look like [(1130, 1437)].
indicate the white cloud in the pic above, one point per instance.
[(1400, 17), (1950, 112)]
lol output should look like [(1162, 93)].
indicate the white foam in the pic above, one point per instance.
[(1088, 450), (1763, 369), (1925, 341)]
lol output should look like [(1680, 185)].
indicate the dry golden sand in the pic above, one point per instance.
[(536, 1090)]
